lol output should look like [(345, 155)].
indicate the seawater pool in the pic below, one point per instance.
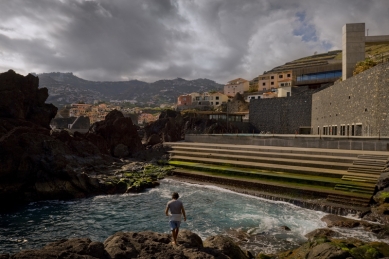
[(210, 210)]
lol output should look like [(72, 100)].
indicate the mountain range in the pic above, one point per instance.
[(66, 88)]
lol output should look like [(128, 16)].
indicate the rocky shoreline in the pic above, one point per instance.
[(321, 243), (40, 164)]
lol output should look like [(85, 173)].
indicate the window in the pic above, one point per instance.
[(288, 75), (264, 89), (263, 84), (271, 83), (272, 77), (217, 103), (280, 76), (217, 98), (197, 98), (211, 103)]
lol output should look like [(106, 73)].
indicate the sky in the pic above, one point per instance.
[(148, 40)]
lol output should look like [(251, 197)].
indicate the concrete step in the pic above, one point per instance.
[(373, 163), (374, 157), (271, 186), (269, 160), (365, 170), (279, 149), (269, 175), (267, 166), (354, 188), (364, 202), (356, 178), (273, 154)]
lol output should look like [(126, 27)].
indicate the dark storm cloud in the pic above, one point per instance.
[(155, 39)]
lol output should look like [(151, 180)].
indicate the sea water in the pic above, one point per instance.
[(255, 223)]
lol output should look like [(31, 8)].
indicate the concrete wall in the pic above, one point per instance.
[(283, 115), (353, 47), (377, 39), (303, 141), (360, 100)]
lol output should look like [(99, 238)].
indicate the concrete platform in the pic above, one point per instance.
[(346, 176)]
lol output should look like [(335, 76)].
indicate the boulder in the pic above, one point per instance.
[(121, 150), (153, 140), (338, 221), (327, 251), (143, 245), (226, 245), (322, 233), (117, 129)]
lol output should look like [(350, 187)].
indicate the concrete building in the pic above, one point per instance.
[(238, 85), (358, 106), (353, 46)]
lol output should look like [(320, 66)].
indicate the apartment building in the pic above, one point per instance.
[(238, 85), (203, 100), (268, 82)]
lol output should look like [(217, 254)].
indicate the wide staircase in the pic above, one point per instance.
[(344, 177)]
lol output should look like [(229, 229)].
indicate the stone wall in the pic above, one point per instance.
[(283, 115), (360, 103)]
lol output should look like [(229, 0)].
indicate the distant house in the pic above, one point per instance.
[(184, 100), (268, 82), (238, 85), (201, 100), (145, 118)]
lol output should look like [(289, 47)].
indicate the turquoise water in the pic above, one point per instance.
[(210, 211)]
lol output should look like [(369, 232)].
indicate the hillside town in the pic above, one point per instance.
[(291, 98)]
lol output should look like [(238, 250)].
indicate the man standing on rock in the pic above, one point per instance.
[(176, 209)]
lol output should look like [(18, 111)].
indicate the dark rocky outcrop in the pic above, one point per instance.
[(380, 210), (22, 100), (144, 245), (381, 230), (168, 127), (35, 162), (325, 243), (119, 133)]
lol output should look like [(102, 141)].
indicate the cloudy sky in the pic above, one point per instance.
[(161, 39)]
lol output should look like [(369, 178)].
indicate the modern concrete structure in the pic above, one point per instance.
[(358, 106), (353, 46)]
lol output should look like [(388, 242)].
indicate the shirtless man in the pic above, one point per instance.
[(176, 209)]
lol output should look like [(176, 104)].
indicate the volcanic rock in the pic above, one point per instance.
[(35, 163), (115, 130), (22, 99), (143, 245)]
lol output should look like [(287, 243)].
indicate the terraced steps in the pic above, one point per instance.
[(338, 174), (266, 175), (268, 160), (252, 152)]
